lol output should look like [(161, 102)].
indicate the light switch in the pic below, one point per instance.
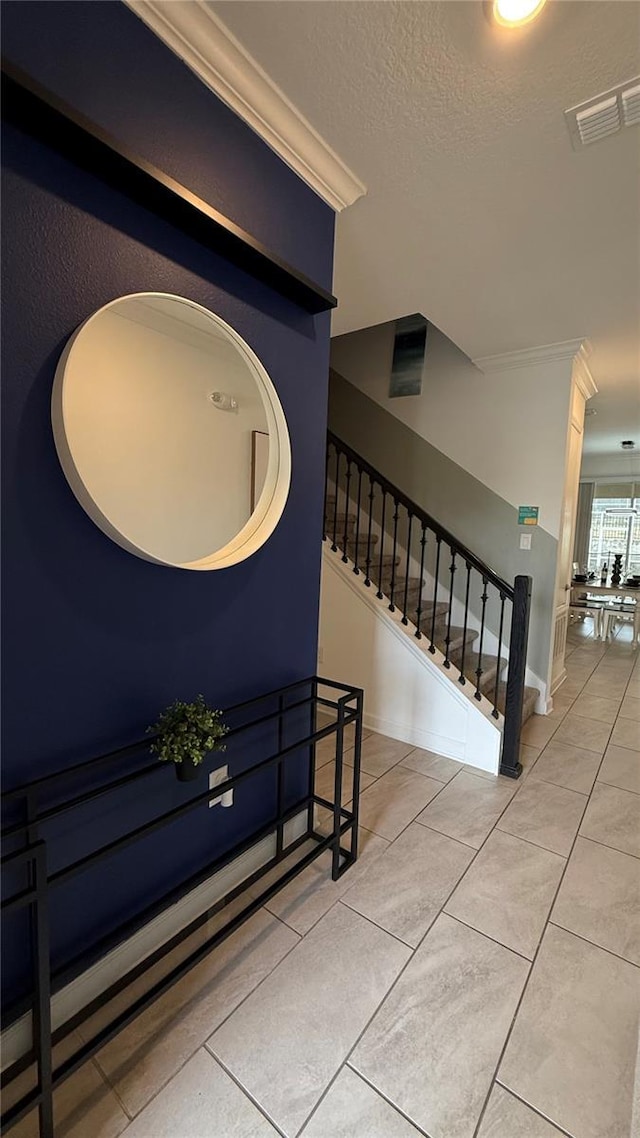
[(525, 541)]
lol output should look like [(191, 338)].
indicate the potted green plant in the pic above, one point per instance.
[(185, 733)]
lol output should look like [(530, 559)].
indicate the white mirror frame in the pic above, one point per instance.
[(272, 500)]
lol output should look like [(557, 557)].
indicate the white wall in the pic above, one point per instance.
[(408, 695), (505, 427)]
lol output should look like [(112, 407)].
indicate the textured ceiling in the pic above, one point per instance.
[(478, 211)]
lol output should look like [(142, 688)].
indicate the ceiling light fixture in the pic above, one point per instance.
[(514, 13)]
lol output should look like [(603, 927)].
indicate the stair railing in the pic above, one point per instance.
[(372, 523)]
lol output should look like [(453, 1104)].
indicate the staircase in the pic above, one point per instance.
[(443, 593), (389, 578)]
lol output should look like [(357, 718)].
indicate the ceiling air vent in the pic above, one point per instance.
[(631, 105), (604, 114)]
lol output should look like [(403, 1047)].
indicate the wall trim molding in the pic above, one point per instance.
[(199, 37), (16, 1039), (533, 357), (427, 740), (432, 661), (582, 376)]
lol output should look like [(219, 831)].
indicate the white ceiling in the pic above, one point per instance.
[(478, 212)]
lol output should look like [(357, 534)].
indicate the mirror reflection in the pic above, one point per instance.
[(165, 424)]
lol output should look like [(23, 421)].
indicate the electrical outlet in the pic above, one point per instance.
[(215, 778)]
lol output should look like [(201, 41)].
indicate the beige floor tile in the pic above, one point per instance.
[(352, 1109), (405, 890), (538, 730), (626, 733), (599, 707), (572, 1052), (201, 1101), (578, 673), (555, 716), (309, 896), (507, 1117), (599, 898), (435, 766), (468, 807), (633, 688), (546, 815), (326, 748), (380, 753), (573, 687), (613, 818), (621, 767), (83, 1105), (449, 1013), (571, 767), (287, 1041), (325, 781), (609, 687), (562, 699), (140, 1060), (630, 708), (393, 801), (621, 662), (508, 891), (581, 732), (528, 757)]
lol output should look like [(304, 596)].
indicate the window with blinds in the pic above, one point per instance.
[(615, 526)]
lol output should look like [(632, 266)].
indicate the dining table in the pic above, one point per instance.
[(581, 589)]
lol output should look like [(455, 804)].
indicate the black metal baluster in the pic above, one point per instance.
[(280, 779), (495, 711), (337, 792), (484, 598), (392, 607), (462, 679), (371, 496), (313, 725), (423, 546), (345, 556), (334, 544), (432, 646), (384, 507), (406, 573), (356, 558), (447, 642)]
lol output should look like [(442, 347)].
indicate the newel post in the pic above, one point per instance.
[(510, 764)]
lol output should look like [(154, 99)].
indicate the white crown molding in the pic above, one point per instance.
[(533, 357), (195, 34), (581, 374)]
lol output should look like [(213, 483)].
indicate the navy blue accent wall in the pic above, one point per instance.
[(96, 641)]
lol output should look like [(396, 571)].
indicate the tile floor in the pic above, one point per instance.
[(475, 975)]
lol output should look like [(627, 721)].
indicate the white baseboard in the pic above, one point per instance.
[(16, 1040), (418, 737)]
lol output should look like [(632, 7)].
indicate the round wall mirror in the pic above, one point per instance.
[(170, 432)]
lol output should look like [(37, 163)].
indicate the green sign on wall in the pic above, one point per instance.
[(528, 515)]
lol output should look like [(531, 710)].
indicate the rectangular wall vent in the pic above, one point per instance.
[(598, 121), (631, 106), (604, 114)]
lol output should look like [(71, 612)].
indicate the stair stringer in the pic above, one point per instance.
[(409, 694)]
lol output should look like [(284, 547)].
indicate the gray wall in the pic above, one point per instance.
[(478, 517)]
